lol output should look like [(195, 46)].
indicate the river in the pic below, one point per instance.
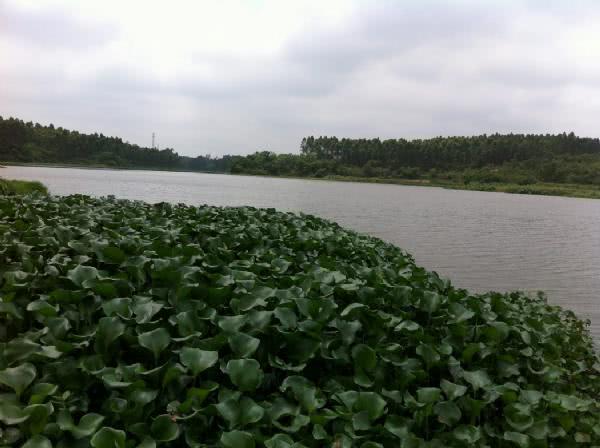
[(480, 240)]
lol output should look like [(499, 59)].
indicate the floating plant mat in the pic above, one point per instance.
[(126, 324)]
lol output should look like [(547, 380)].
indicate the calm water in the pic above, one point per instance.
[(480, 240)]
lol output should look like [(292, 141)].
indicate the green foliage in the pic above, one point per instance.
[(126, 325), (26, 142), (12, 187)]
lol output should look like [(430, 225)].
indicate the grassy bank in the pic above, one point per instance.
[(12, 187), (128, 324), (99, 166), (546, 189)]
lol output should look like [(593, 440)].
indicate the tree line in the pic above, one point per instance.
[(27, 142), (509, 158)]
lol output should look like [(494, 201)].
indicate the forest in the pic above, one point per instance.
[(516, 159), (512, 158), (26, 142)]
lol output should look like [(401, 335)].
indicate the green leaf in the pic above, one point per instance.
[(108, 438), (429, 354), (243, 345), (237, 439), (164, 429), (147, 442), (81, 273), (112, 254), (11, 414), (521, 440), (452, 390), (155, 341), (371, 402), (430, 301), (240, 413), (37, 441), (364, 357), (109, 330), (246, 374), (479, 379), (399, 426), (467, 434), (448, 412), (88, 424), (428, 394), (198, 360), (18, 378), (280, 441), (304, 392)]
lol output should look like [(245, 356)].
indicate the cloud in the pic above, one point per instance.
[(235, 77)]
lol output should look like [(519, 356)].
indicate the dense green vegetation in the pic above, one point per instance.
[(10, 187), (26, 142), (482, 160), (560, 164), (126, 324)]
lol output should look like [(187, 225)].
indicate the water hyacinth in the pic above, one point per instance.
[(126, 324)]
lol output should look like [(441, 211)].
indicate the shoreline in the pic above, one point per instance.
[(538, 189)]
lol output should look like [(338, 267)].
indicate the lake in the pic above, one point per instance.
[(479, 240)]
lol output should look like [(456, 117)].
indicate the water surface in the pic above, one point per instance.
[(480, 240)]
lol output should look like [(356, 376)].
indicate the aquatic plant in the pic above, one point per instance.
[(126, 324)]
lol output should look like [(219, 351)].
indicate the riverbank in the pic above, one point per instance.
[(545, 189), (104, 167), (12, 187)]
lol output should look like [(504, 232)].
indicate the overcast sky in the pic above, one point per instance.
[(234, 77)]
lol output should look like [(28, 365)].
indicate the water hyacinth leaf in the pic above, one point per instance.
[(521, 440), (113, 254), (109, 329), (38, 416), (108, 437), (38, 441), (164, 429), (243, 345), (81, 273), (467, 433), (246, 374), (237, 439), (452, 390), (372, 403), (280, 330), (448, 412), (18, 378), (304, 392), (88, 424), (428, 394), (198, 360), (155, 341), (147, 442), (280, 441), (364, 357), (399, 426), (430, 301), (240, 413), (429, 354), (12, 414), (478, 379)]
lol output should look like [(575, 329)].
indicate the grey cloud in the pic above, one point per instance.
[(53, 28), (394, 70)]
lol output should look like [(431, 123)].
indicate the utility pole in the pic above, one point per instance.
[(153, 141)]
